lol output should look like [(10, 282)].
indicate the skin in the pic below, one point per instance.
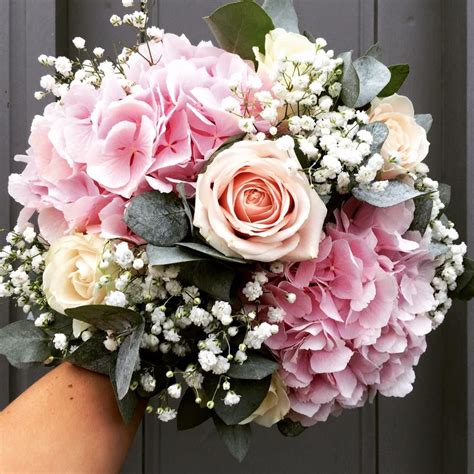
[(67, 422)]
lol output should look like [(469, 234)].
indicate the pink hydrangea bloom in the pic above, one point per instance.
[(97, 148), (359, 321)]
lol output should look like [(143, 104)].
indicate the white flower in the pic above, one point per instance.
[(290, 297), (221, 366), (270, 114), (277, 267), (148, 382), (39, 95), (252, 290), (48, 82), (79, 42), (138, 19), (98, 52), (232, 331), (111, 344), (174, 391), (123, 255), (275, 315), (116, 298), (231, 104), (200, 317), (29, 235), (43, 320), (127, 3), (247, 124), (115, 20), (171, 335), (261, 277), (193, 378), (207, 360), (222, 311), (158, 316), (231, 398), (63, 65), (60, 342), (240, 357), (259, 334), (166, 414), (155, 33)]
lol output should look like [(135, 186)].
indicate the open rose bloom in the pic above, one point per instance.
[(232, 227)]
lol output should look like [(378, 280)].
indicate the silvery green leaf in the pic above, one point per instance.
[(256, 367), (128, 404), (210, 252), (350, 81), (106, 317), (375, 51), (290, 428), (236, 438), (190, 413), (23, 343), (170, 255), (444, 194), (325, 198), (373, 77), (92, 355), (187, 208), (283, 14), (379, 133), (398, 75), (158, 218), (425, 121), (437, 249), (422, 215), (395, 193), (465, 282), (126, 360)]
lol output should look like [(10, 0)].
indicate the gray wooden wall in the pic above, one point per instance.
[(430, 431)]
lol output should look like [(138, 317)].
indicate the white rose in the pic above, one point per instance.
[(406, 145), (274, 407), (280, 44), (71, 273)]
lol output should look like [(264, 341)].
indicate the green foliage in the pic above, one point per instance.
[(425, 121), (395, 193), (92, 355), (379, 133), (444, 194), (465, 283), (191, 414), (437, 249), (237, 438), (210, 252), (127, 358), (171, 255), (158, 218), (106, 318), (126, 405), (240, 26), (422, 215), (256, 367), (398, 75), (290, 428), (23, 343), (283, 14)]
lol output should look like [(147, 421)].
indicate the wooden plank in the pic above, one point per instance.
[(4, 171)]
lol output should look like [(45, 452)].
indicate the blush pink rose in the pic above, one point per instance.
[(254, 202)]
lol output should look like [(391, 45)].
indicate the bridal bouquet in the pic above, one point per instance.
[(245, 233)]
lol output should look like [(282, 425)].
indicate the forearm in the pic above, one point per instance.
[(68, 421)]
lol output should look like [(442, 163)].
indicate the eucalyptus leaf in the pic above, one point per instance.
[(210, 252), (375, 51), (237, 438), (128, 404), (350, 81), (395, 193), (283, 14), (127, 359), (310, 36), (23, 343), (239, 27), (106, 317), (252, 394), (170, 255), (425, 121), (398, 75), (211, 277), (158, 218), (256, 367), (373, 77), (437, 249), (379, 133), (190, 413), (187, 208), (422, 215), (465, 283), (444, 194), (92, 355), (290, 428)]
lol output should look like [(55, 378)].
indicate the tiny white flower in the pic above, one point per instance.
[(48, 82), (207, 360), (174, 391), (247, 124), (285, 143), (63, 65), (291, 298), (148, 382), (231, 398), (252, 290), (39, 95), (98, 52), (155, 33), (115, 20), (127, 3), (167, 414), (111, 344), (60, 342), (79, 43), (277, 267), (275, 315)]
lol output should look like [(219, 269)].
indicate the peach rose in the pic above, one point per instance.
[(71, 273), (253, 201), (274, 407), (406, 145)]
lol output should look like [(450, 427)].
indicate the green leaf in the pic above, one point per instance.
[(106, 317), (127, 405), (191, 414), (373, 77), (212, 277), (422, 215), (237, 438), (170, 255), (92, 355), (379, 133), (425, 121), (127, 359), (465, 282), (283, 14), (158, 218), (211, 252), (350, 80), (252, 393), (437, 249), (240, 26), (290, 428), (444, 194), (395, 193), (398, 75), (375, 51), (256, 367), (187, 208), (23, 343)]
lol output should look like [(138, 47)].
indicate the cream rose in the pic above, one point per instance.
[(279, 44), (274, 407), (71, 273), (253, 201), (406, 145)]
